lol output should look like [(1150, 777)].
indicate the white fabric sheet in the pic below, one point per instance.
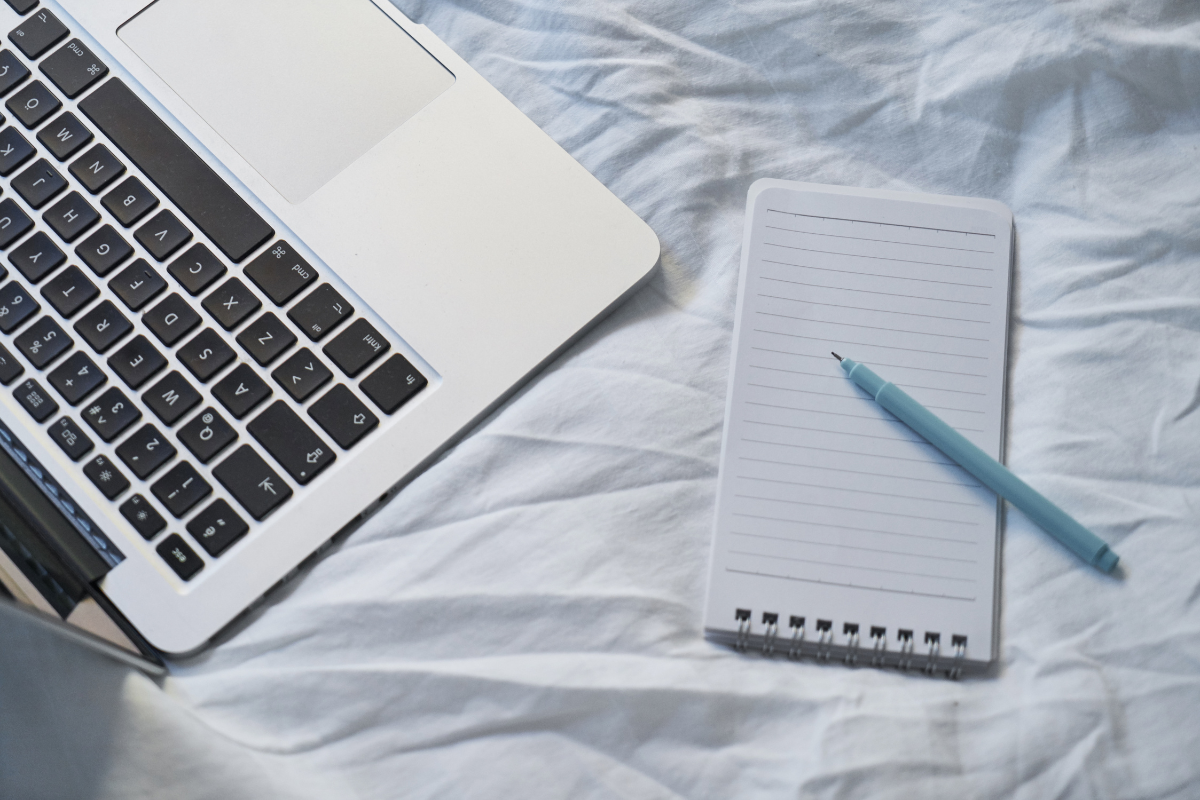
[(524, 619)]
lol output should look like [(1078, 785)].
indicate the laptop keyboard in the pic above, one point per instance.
[(141, 280)]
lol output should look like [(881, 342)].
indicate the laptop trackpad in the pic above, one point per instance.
[(300, 88)]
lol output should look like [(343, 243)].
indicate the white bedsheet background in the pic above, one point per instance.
[(524, 619)]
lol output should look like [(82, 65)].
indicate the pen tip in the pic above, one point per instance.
[(835, 355)]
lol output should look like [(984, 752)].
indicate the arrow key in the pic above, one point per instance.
[(241, 390), (293, 444), (343, 416)]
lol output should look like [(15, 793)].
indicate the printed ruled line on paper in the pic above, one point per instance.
[(865, 455), (841, 378), (869, 344), (807, 523), (855, 491), (859, 510), (841, 546), (833, 433), (866, 291), (877, 258), (966, 598), (881, 241), (855, 397), (865, 327), (881, 224), (875, 363), (862, 308), (853, 566), (879, 275), (888, 419), (858, 471)]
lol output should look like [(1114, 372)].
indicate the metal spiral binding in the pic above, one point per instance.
[(772, 622), (879, 645), (934, 640), (906, 649), (824, 639), (851, 631), (959, 643), (742, 615), (797, 626)]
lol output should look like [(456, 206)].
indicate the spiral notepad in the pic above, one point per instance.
[(840, 534)]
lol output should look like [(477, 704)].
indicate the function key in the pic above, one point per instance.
[(13, 223), (163, 235), (206, 354), (145, 451), (171, 398), (217, 527), (280, 272), (13, 72), (71, 216), (33, 398), (390, 386), (231, 303), (265, 338), (130, 201), (322, 311), (144, 518), (104, 250), (77, 377), (301, 374), (43, 341), (103, 326), (207, 435), (252, 483), (343, 416), (73, 68), (181, 558), (171, 319), (97, 168), (181, 489), (196, 269), (37, 34), (292, 443), (111, 414), (67, 435), (107, 478), (137, 361), (22, 7), (69, 291), (65, 136), (16, 306), (32, 104), (241, 390), (36, 257), (38, 183), (14, 150), (137, 284), (356, 347), (10, 368)]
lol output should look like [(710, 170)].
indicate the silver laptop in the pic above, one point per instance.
[(265, 259)]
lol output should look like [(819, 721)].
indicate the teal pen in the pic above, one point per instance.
[(990, 472)]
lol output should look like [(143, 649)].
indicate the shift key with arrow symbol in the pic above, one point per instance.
[(291, 442)]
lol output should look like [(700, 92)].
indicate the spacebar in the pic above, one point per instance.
[(191, 184)]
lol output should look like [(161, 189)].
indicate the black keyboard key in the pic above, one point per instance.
[(220, 213), (104, 250), (32, 104), (322, 311), (111, 414), (71, 216), (217, 527), (38, 183), (69, 291), (391, 386), (130, 201), (103, 326), (145, 451), (73, 68), (77, 377), (38, 33), (108, 479), (252, 482), (36, 257), (207, 435), (163, 235), (97, 168), (301, 374), (355, 348), (144, 518), (12, 72), (137, 361), (196, 269), (65, 136), (14, 150), (181, 558), (266, 338), (34, 399), (181, 489), (10, 368), (206, 354), (171, 319), (13, 224), (231, 303), (22, 7), (68, 436), (241, 390), (43, 341), (280, 272), (16, 306), (343, 416), (171, 398), (137, 284), (291, 442)]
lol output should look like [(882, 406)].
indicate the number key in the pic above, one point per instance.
[(181, 489), (111, 414), (77, 377), (16, 306), (43, 341), (145, 451)]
